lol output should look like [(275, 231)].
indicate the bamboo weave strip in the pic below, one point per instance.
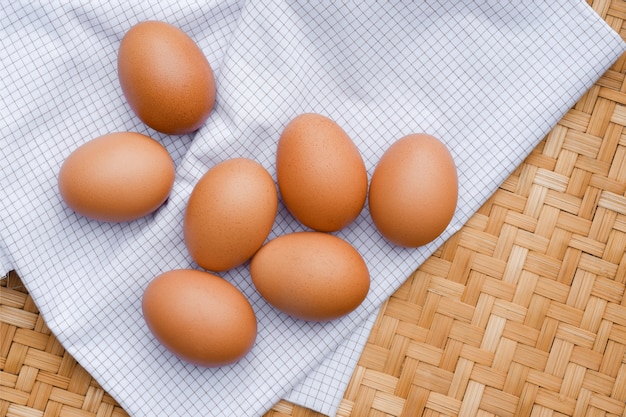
[(521, 313)]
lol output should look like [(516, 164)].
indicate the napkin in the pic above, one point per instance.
[(489, 78)]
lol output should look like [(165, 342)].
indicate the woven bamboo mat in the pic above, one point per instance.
[(521, 313)]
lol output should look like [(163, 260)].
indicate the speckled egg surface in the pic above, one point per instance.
[(117, 177), (321, 175), (230, 213), (413, 191), (165, 77), (199, 317), (312, 276)]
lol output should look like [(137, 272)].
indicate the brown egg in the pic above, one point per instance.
[(199, 317), (165, 77), (310, 275), (117, 177), (414, 189), (230, 213), (321, 175)]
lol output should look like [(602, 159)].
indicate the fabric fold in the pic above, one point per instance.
[(489, 79)]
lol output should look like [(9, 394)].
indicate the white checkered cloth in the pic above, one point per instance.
[(489, 78)]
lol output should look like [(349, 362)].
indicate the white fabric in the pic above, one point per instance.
[(489, 78)]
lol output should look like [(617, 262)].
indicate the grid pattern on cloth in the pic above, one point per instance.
[(490, 80)]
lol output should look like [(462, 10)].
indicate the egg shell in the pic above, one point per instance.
[(199, 317), (320, 173), (117, 177), (310, 275), (230, 213), (165, 77), (414, 190)]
